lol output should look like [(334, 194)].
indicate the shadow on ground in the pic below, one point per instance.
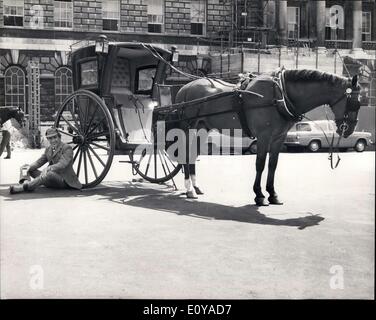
[(163, 198)]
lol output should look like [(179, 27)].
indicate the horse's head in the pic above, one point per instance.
[(346, 108), (19, 115)]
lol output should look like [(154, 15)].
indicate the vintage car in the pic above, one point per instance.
[(230, 144), (311, 135)]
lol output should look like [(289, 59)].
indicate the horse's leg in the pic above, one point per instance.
[(191, 193), (275, 148), (262, 150), (5, 143)]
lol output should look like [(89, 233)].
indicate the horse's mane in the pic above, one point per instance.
[(314, 75)]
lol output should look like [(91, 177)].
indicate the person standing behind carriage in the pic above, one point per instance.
[(5, 142), (58, 175)]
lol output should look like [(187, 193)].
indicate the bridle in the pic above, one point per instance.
[(352, 105)]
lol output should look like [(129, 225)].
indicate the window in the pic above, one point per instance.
[(111, 14), (293, 21), (63, 84), (145, 79), (335, 16), (303, 127), (89, 73), (155, 16), (63, 14), (13, 12), (366, 26), (15, 87), (198, 17)]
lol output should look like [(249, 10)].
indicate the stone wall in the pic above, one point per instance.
[(133, 16), (218, 15), (1, 13), (178, 17), (48, 12), (87, 15)]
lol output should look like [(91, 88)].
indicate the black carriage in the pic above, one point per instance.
[(116, 89)]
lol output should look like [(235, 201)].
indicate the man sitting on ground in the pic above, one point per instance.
[(58, 175)]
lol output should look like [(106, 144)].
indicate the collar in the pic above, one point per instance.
[(287, 108), (57, 148)]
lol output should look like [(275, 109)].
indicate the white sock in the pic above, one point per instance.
[(188, 184), (193, 179)]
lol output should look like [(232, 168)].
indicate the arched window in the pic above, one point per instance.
[(15, 87), (63, 85)]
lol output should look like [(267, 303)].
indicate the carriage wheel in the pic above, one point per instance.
[(86, 124), (154, 164)]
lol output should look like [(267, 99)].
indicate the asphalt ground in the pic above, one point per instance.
[(130, 239)]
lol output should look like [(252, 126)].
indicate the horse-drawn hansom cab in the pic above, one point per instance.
[(118, 101), (116, 88)]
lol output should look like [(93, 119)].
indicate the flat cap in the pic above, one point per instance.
[(51, 132)]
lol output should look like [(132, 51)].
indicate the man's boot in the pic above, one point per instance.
[(18, 188)]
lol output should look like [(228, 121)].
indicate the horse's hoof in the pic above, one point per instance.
[(198, 190), (191, 195), (261, 202), (274, 200)]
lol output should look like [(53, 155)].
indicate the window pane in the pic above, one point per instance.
[(111, 9), (15, 87), (303, 127), (198, 13), (63, 13), (145, 79), (89, 73)]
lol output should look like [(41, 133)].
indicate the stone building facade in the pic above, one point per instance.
[(45, 30)]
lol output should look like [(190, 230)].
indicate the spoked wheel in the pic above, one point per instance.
[(86, 124), (154, 164)]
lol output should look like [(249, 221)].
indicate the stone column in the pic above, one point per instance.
[(282, 22), (357, 25), (320, 22), (270, 18)]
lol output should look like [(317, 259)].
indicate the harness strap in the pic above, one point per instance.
[(284, 105), (238, 107)]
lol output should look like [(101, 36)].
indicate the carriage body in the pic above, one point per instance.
[(111, 109), (127, 79)]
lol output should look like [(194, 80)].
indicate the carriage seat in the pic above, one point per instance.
[(122, 97), (128, 117)]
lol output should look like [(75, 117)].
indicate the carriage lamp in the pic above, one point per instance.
[(101, 45), (175, 54)]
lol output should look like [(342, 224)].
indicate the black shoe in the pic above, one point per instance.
[(7, 157), (16, 189), (198, 190)]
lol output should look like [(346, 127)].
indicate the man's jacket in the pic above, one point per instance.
[(60, 161)]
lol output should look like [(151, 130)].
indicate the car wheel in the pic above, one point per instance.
[(253, 147), (314, 146), (360, 146)]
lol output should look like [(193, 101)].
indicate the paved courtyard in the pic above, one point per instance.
[(131, 239)]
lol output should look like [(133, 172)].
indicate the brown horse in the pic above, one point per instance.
[(285, 97)]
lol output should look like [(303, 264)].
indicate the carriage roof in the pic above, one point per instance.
[(131, 50), (105, 65)]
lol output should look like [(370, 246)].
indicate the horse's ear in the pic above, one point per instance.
[(354, 81)]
